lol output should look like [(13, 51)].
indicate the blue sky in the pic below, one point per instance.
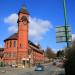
[(45, 15)]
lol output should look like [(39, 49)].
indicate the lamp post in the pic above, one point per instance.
[(29, 60), (44, 55), (65, 21)]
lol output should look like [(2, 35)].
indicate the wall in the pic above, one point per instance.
[(10, 51)]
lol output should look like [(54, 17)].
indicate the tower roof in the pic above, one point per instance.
[(23, 10)]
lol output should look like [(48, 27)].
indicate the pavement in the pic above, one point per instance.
[(14, 71)]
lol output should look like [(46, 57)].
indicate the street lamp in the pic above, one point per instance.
[(29, 59)]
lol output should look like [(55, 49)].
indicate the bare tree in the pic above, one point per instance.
[(60, 53), (50, 53)]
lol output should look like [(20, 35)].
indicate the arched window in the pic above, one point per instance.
[(14, 43), (20, 45), (10, 43), (7, 44)]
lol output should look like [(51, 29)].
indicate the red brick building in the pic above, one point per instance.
[(18, 49)]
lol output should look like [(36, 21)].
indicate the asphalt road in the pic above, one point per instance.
[(49, 70)]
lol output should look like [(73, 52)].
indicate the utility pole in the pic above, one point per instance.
[(65, 21)]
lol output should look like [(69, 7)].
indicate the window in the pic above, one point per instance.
[(13, 54), (14, 43), (10, 43), (9, 54), (7, 44), (20, 45)]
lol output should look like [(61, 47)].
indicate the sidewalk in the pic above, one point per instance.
[(14, 71), (19, 69), (12, 68)]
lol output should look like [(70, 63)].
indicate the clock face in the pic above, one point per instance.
[(24, 19)]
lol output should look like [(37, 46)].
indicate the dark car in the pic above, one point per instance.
[(39, 68)]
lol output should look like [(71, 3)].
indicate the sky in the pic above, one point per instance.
[(45, 16)]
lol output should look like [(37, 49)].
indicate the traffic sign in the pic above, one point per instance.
[(61, 35)]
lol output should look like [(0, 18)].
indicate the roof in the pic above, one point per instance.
[(31, 43), (1, 49), (15, 36), (23, 10), (36, 49), (12, 37)]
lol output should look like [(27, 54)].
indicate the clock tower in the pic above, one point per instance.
[(22, 48)]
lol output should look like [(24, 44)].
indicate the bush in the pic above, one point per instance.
[(2, 64)]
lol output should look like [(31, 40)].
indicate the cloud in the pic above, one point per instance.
[(0, 45), (73, 36), (11, 20), (37, 27)]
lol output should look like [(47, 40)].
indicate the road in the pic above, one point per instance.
[(49, 70)]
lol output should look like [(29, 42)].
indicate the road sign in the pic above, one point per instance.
[(62, 29), (61, 35), (62, 39)]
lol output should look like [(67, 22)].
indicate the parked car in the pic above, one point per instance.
[(14, 66), (54, 62), (60, 64), (39, 67)]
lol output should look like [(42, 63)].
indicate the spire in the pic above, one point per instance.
[(23, 10)]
